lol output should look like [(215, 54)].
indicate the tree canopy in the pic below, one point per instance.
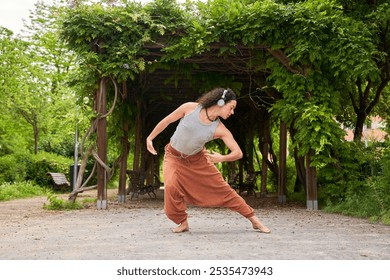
[(316, 66), (304, 50)]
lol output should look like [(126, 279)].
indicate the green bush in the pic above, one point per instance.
[(369, 198), (40, 164), (380, 187), (9, 191), (12, 168), (29, 167), (344, 177), (370, 203)]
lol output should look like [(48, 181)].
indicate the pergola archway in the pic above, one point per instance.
[(209, 54), (155, 94)]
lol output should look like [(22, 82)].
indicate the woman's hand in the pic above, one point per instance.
[(149, 146), (215, 157)]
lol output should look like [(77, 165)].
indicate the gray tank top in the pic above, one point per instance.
[(192, 134)]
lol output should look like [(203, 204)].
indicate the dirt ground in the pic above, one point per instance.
[(139, 230)]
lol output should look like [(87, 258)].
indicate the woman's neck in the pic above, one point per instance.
[(208, 116)]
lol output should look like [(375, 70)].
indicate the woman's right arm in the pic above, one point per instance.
[(179, 113)]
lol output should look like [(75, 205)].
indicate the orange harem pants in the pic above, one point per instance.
[(195, 180)]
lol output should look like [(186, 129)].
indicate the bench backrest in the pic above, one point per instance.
[(59, 179)]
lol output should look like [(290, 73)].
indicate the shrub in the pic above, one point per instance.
[(380, 186), (372, 198), (56, 203), (40, 164), (10, 169), (29, 167), (344, 177)]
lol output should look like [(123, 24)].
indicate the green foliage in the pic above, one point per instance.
[(317, 130), (60, 146), (14, 135), (346, 175), (311, 52), (38, 166), (34, 70), (56, 203), (110, 39), (18, 168), (13, 168), (359, 185), (13, 59), (9, 191), (380, 187), (272, 179), (362, 205), (319, 43), (369, 203)]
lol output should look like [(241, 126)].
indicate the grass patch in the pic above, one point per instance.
[(27, 189), (10, 191), (56, 203), (89, 200), (362, 207)]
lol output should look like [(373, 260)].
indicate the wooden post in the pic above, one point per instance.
[(101, 102), (282, 163), (311, 184), (264, 169), (264, 154), (125, 152), (138, 136)]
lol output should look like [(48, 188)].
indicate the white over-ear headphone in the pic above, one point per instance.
[(221, 101)]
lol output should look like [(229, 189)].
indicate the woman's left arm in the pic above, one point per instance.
[(227, 137)]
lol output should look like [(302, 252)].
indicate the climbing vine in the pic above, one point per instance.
[(304, 49)]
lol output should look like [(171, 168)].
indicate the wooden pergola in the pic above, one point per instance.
[(156, 93)]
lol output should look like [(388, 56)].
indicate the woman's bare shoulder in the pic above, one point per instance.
[(189, 106)]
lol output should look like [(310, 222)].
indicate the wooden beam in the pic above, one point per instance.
[(282, 163), (264, 155), (125, 151), (101, 103), (311, 184)]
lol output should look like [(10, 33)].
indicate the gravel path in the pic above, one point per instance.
[(139, 230)]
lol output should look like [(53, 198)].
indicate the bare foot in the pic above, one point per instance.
[(259, 225), (182, 227)]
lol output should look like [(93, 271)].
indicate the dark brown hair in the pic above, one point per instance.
[(211, 98)]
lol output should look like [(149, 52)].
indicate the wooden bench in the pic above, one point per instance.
[(248, 186), (233, 181), (59, 180), (137, 185)]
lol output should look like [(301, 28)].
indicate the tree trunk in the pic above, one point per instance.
[(36, 134), (360, 119), (364, 106)]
